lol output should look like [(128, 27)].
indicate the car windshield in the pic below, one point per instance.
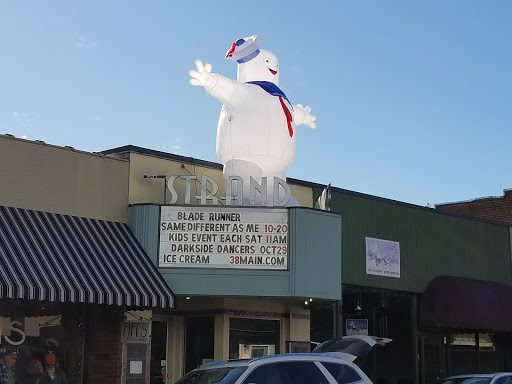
[(467, 380), (224, 375)]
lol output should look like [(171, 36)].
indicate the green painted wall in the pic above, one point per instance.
[(316, 241), (431, 243), (314, 262)]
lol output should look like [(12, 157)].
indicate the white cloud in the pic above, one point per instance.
[(22, 119), (84, 42), (175, 146), (178, 146)]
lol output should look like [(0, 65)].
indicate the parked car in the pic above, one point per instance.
[(333, 367), (480, 378), (357, 345)]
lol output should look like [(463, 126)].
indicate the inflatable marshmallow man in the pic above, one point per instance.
[(256, 130)]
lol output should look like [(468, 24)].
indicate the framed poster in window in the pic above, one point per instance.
[(298, 347)]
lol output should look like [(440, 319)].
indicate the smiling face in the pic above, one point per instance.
[(264, 67)]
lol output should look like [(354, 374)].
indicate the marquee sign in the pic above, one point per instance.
[(212, 237)]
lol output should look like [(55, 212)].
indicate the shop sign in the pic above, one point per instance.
[(211, 237), (382, 257), (356, 327), (15, 327), (234, 188), (484, 340), (135, 332)]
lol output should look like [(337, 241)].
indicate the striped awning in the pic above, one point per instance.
[(47, 256)]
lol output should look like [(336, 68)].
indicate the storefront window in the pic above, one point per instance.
[(250, 338), (463, 347), (41, 333)]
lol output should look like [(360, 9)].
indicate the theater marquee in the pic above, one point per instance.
[(213, 237)]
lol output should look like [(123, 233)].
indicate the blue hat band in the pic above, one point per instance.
[(249, 57)]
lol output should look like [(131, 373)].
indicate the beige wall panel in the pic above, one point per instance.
[(199, 303), (285, 334), (221, 338), (60, 180), (175, 356), (304, 195), (299, 329), (154, 190), (244, 304), (256, 305), (300, 324)]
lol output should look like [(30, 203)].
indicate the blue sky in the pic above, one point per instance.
[(413, 99)]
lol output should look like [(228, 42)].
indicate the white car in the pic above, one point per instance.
[(334, 367), (480, 378)]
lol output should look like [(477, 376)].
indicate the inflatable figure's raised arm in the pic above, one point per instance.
[(220, 87), (303, 116)]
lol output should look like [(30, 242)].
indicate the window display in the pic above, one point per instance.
[(250, 338), (43, 339)]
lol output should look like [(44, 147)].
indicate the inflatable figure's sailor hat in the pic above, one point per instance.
[(244, 49), (264, 68)]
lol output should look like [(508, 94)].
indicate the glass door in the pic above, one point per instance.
[(158, 364), (432, 358), (199, 341)]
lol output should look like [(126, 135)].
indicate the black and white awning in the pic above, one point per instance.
[(47, 256)]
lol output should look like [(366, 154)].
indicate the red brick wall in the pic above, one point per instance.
[(498, 209), (103, 348)]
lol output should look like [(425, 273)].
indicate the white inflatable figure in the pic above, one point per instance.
[(256, 134)]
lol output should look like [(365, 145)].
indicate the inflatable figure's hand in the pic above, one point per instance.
[(303, 116), (203, 76)]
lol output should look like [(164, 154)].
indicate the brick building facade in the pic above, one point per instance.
[(497, 209)]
